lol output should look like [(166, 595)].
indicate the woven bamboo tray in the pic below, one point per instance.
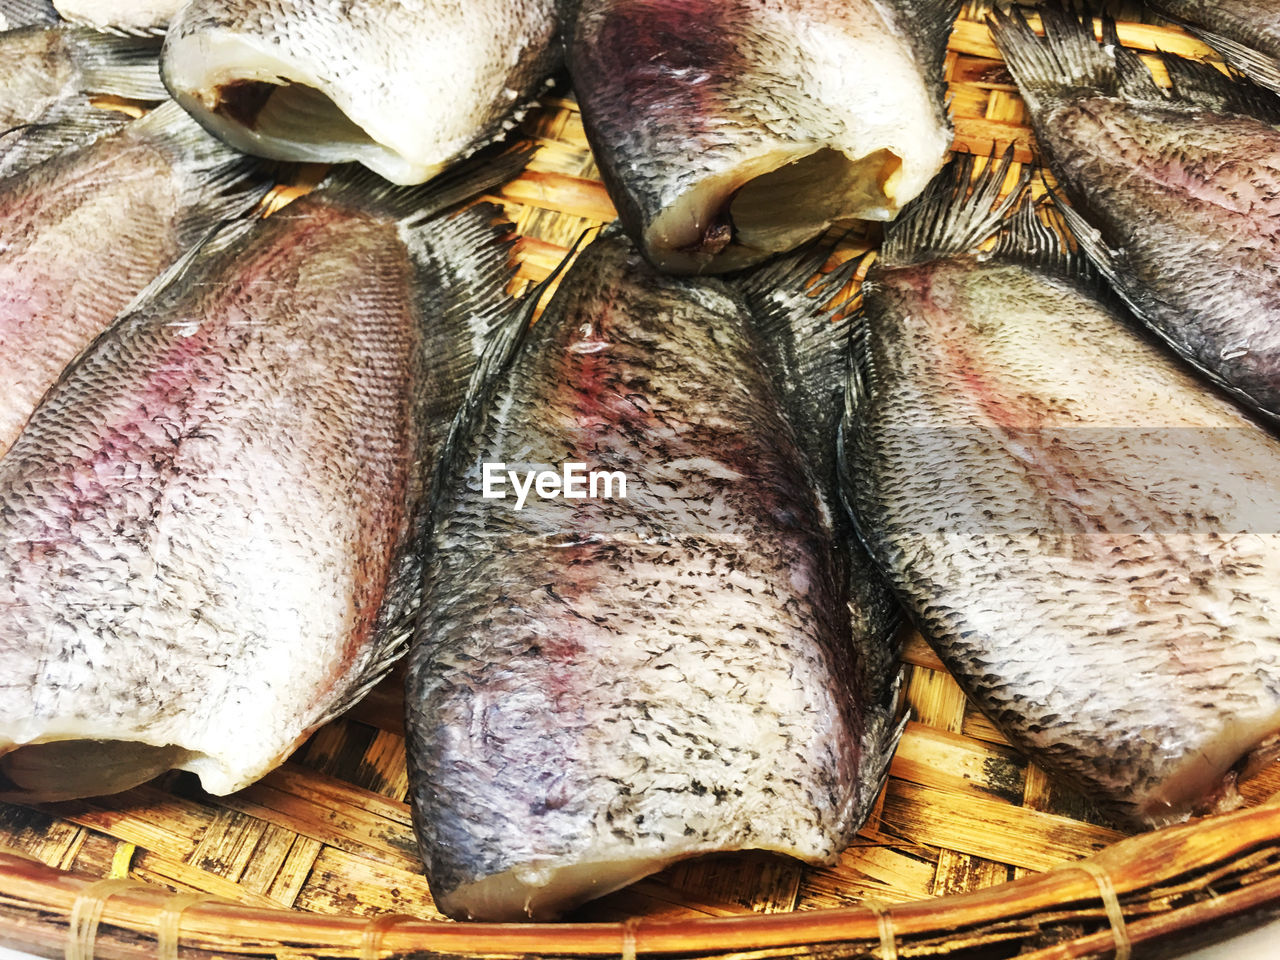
[(970, 852)]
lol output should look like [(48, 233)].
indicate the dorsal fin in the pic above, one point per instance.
[(955, 214), (1068, 61)]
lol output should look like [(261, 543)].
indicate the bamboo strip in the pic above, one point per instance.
[(1240, 848)]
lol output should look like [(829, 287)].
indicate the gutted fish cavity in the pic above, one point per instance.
[(731, 130), (405, 88)]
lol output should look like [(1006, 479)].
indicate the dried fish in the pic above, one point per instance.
[(730, 130), (405, 87), (209, 529), (1176, 194), (1088, 536), (659, 665)]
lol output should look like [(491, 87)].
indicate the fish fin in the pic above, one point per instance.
[(1258, 66), (25, 13), (1025, 237), (1068, 60), (463, 263), (954, 214), (879, 742), (874, 613), (1032, 240), (1053, 237), (501, 129), (796, 312), (502, 345), (805, 326), (352, 184), (110, 65), (926, 25), (220, 183), (1203, 84), (28, 144)]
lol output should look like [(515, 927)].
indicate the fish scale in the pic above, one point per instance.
[(600, 687), (1175, 195), (1061, 504), (211, 523)]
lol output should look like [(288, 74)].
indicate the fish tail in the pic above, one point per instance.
[(1044, 241), (956, 212), (353, 184), (118, 66), (1068, 60), (1260, 67), (220, 183), (25, 13), (24, 146), (465, 267)]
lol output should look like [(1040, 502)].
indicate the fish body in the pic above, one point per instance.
[(1088, 537), (730, 130), (1176, 194), (600, 687), (48, 74), (406, 88), (83, 233), (138, 17), (1245, 32), (209, 525)]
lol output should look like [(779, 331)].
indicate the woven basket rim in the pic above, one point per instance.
[(43, 909)]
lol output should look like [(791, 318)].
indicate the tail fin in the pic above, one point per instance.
[(219, 183), (25, 13), (1260, 67), (102, 65), (795, 312), (1068, 60), (110, 65), (25, 146), (352, 184), (1203, 84)]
